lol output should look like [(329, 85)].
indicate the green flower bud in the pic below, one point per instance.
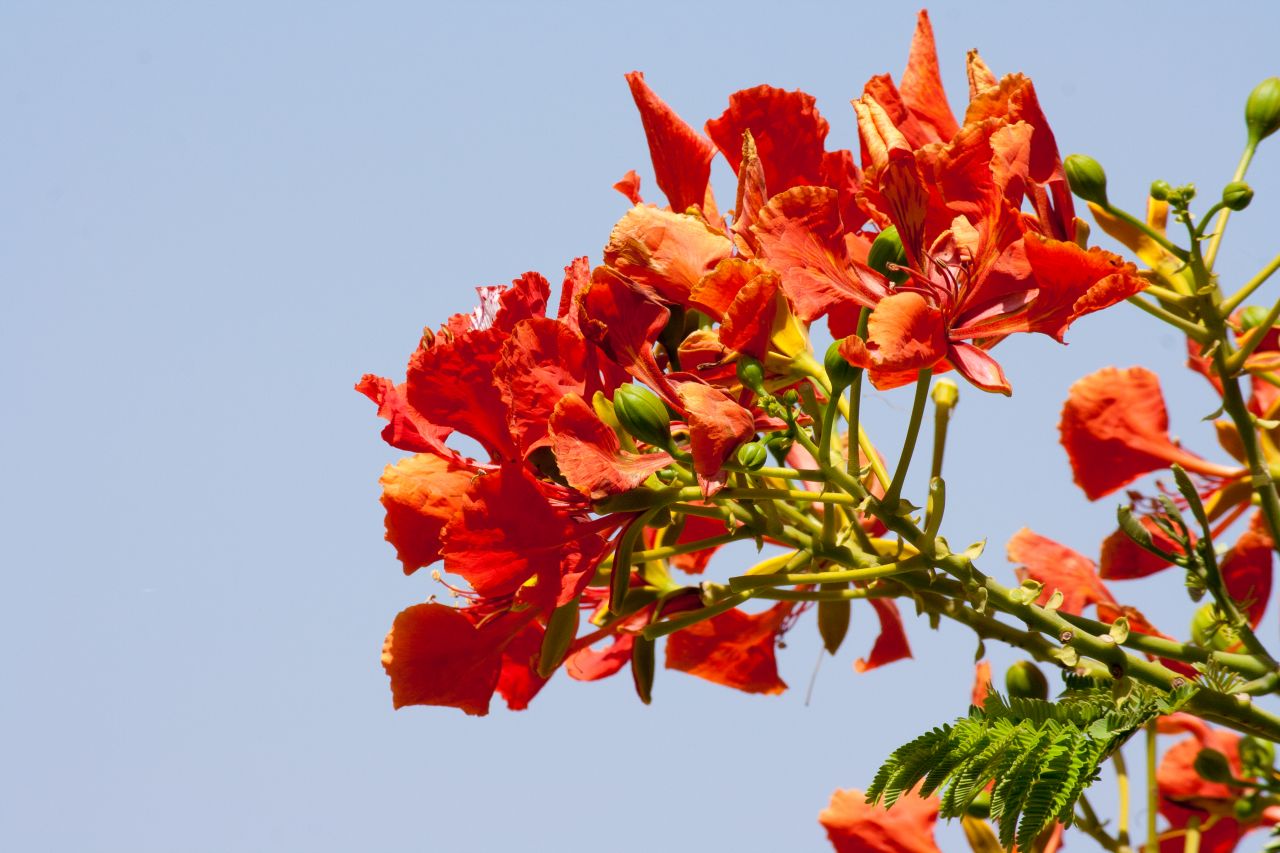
[(1256, 753), (753, 455), (1160, 190), (642, 667), (887, 249), (790, 398), (1209, 631), (1262, 110), (643, 415), (751, 373), (1024, 680), (562, 627), (833, 620), (980, 806), (945, 394), (1247, 809), (1086, 178), (780, 445), (1213, 766), (1252, 317), (839, 371), (1237, 195)]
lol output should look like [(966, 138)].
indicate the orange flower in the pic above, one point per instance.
[(853, 826)]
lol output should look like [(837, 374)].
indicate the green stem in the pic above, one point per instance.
[(1243, 166), (743, 582), (1260, 474), (1230, 305), (1177, 251), (1088, 823), (1235, 363), (1153, 792), (1122, 794), (1192, 330), (690, 547), (894, 492)]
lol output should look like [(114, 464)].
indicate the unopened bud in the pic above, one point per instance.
[(642, 667), (887, 249), (839, 370), (1237, 195), (1262, 110), (751, 373), (1213, 766), (1086, 178), (945, 394), (1252, 317), (1160, 190), (643, 415), (1248, 809), (753, 455), (790, 398), (833, 623), (1024, 680)]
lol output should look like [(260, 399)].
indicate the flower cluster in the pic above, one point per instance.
[(667, 404)]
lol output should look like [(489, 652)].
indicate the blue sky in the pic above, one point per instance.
[(216, 217)]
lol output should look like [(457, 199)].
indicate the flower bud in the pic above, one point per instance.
[(751, 373), (642, 667), (753, 455), (1248, 809), (1086, 178), (1213, 766), (945, 394), (643, 415), (980, 805), (1024, 680), (1262, 110), (1252, 317), (790, 398), (1237, 195), (833, 621), (1160, 190), (887, 249), (839, 371)]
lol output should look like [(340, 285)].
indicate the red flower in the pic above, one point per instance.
[(853, 826), (1184, 794), (1115, 429), (734, 649), (439, 655), (590, 456)]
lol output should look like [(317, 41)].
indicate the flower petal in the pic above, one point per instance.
[(669, 252), (1115, 429), (788, 132), (681, 156), (891, 643), (717, 427), (436, 656), (735, 649), (1058, 568), (855, 826), (421, 493), (589, 454)]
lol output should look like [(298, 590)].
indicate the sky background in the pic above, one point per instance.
[(216, 217)]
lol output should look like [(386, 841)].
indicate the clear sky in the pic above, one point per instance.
[(215, 217)]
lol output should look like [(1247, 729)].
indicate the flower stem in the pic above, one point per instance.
[(1218, 230), (1231, 304), (894, 492)]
